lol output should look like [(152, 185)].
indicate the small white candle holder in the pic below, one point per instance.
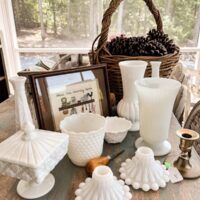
[(103, 185), (143, 171)]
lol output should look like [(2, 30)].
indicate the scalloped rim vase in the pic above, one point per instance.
[(103, 185), (156, 100), (86, 136), (131, 71), (143, 171)]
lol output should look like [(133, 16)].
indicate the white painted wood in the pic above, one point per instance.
[(190, 49), (8, 39), (54, 50), (82, 50), (197, 62)]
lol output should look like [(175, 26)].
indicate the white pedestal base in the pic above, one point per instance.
[(160, 150), (29, 190), (135, 126)]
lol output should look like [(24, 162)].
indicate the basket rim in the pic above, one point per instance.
[(176, 53)]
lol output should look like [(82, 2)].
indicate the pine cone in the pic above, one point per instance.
[(154, 48), (162, 38), (156, 43)]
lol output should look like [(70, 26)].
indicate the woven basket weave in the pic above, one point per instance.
[(102, 55)]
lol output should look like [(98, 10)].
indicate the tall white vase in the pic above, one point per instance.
[(131, 71), (156, 100), (155, 68), (22, 111)]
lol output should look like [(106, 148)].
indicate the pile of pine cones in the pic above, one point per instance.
[(155, 44)]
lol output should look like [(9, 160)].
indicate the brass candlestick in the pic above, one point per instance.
[(188, 167)]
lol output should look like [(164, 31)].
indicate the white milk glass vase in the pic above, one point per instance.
[(131, 71), (155, 68), (22, 111), (156, 100)]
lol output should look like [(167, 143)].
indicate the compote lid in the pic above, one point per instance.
[(31, 152)]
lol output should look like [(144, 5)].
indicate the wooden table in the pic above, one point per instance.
[(69, 176)]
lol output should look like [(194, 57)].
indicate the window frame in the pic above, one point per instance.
[(12, 36)]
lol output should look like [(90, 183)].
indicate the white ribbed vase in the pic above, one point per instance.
[(143, 171), (131, 71), (103, 186), (156, 100)]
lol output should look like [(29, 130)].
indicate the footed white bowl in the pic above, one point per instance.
[(86, 136), (116, 129)]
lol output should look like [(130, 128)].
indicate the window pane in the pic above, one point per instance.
[(75, 23), (53, 23), (188, 59), (181, 19)]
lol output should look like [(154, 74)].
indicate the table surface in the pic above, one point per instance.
[(68, 176)]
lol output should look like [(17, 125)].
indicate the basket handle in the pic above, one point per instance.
[(114, 4)]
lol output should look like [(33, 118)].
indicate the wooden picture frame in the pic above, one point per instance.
[(41, 95)]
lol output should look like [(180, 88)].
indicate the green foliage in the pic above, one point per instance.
[(71, 18)]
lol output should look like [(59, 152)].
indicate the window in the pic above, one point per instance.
[(75, 23), (56, 23), (69, 24)]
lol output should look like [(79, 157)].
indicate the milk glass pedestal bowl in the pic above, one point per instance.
[(156, 100), (86, 136), (30, 154)]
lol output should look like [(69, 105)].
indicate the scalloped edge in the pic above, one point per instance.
[(64, 130), (122, 130)]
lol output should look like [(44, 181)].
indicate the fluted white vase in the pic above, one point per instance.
[(103, 186), (143, 171), (131, 71), (155, 68), (156, 100)]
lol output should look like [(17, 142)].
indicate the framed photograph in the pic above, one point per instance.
[(61, 93)]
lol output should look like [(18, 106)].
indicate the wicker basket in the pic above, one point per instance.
[(102, 55)]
